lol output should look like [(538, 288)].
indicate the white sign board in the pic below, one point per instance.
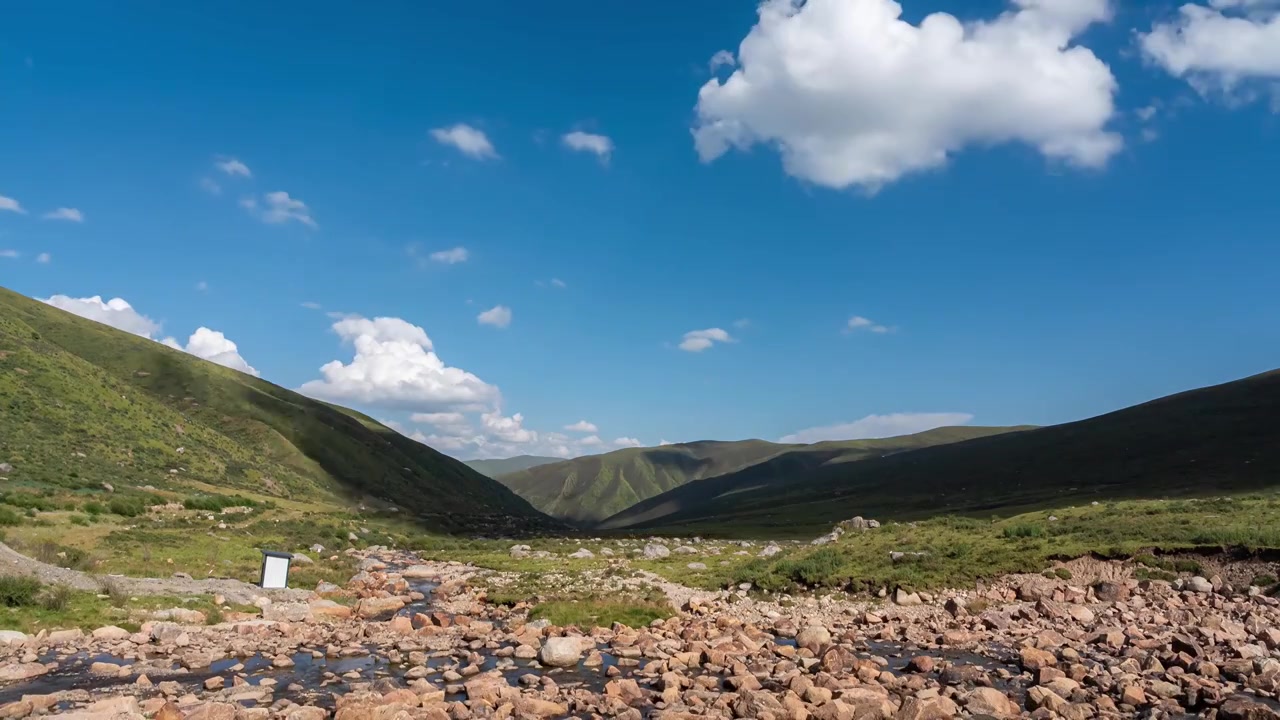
[(275, 571)]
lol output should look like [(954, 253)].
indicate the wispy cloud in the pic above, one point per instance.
[(579, 141), (857, 323), (468, 140), (11, 205), (498, 316), (11, 254), (878, 426), (210, 186), (278, 208), (64, 213), (582, 426), (722, 58), (451, 256), (699, 340), (311, 305), (44, 258), (233, 167)]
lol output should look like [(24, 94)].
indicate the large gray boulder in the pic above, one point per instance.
[(655, 551), (560, 652)]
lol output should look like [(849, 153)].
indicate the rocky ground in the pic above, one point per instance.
[(405, 639)]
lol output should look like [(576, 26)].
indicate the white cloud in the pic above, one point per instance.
[(439, 418), (450, 424), (395, 366), (116, 312), (11, 254), (859, 323), (11, 205), (63, 213), (278, 208), (628, 442), (1224, 47), (468, 140), (44, 258), (582, 426), (665, 442), (557, 282), (233, 167), (498, 316), (451, 256), (210, 186), (591, 441), (722, 58), (215, 347), (311, 305), (507, 429), (878, 426), (852, 95), (580, 141), (742, 323), (699, 340)]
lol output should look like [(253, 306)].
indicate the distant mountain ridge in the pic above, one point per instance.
[(1219, 439), (789, 466), (587, 490), (493, 467)]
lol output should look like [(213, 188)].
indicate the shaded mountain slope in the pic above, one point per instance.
[(1220, 439), (588, 489), (83, 404)]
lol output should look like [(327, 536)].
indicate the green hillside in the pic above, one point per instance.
[(501, 466), (588, 489), (1206, 442), (82, 404), (786, 467)]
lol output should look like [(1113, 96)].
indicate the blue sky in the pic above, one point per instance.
[(1038, 216)]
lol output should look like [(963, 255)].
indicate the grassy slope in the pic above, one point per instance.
[(82, 404), (1224, 438), (784, 469), (501, 466), (589, 489)]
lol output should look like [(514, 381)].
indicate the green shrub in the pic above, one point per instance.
[(80, 520), (1264, 581), (215, 503), (127, 506), (1023, 530), (18, 591), (817, 568), (1062, 573), (93, 507), (55, 598), (1186, 565), (9, 517), (29, 502)]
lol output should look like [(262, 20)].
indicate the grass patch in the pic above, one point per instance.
[(603, 613)]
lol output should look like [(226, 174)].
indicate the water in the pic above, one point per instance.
[(313, 680)]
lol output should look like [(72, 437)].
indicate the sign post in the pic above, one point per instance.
[(275, 570)]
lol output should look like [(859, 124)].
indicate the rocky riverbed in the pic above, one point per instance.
[(406, 639)]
